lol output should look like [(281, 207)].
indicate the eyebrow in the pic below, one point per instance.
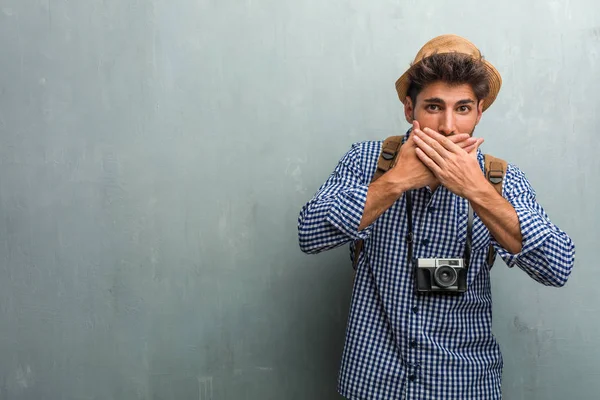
[(437, 100), (434, 100)]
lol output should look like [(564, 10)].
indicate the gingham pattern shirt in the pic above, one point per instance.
[(404, 345)]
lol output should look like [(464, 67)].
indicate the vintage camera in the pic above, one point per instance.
[(441, 275)]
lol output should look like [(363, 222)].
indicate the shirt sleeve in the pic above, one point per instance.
[(332, 217), (547, 254)]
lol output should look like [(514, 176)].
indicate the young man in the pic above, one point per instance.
[(420, 328)]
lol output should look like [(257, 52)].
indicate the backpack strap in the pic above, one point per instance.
[(387, 159), (494, 170)]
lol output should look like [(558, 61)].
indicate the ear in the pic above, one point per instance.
[(479, 111), (409, 109)]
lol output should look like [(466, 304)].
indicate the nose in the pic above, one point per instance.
[(447, 124)]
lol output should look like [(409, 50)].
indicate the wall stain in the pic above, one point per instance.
[(205, 388)]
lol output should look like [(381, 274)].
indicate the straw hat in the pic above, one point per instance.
[(449, 44)]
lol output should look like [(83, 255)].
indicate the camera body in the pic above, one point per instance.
[(447, 275)]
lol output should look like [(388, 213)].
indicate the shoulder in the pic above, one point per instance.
[(512, 170), (514, 180), (362, 157), (367, 147), (364, 152)]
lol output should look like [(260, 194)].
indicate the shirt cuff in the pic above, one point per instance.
[(346, 213), (534, 231)]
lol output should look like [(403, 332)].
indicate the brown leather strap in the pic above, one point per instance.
[(387, 159), (495, 169)]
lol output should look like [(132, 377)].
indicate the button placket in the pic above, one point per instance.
[(421, 202), (430, 202)]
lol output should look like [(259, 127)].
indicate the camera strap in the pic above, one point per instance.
[(469, 239), (410, 234)]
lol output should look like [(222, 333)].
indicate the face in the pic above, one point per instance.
[(445, 108)]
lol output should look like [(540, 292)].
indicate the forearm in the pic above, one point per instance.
[(547, 253), (381, 195), (499, 217)]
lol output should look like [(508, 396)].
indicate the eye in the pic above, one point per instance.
[(464, 109), (432, 107)]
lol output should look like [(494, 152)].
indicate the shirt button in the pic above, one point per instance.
[(415, 309), (431, 209), (412, 378), (425, 242), (414, 344)]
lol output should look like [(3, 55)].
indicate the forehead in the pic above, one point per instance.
[(446, 92)]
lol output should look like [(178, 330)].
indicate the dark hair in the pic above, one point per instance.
[(452, 68)]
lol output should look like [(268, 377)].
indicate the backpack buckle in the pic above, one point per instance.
[(388, 155), (495, 176)]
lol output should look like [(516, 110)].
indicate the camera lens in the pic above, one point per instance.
[(445, 276)]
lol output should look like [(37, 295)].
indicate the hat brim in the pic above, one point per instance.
[(495, 82)]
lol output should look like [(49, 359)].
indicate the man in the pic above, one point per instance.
[(428, 340)]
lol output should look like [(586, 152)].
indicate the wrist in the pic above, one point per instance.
[(394, 185), (480, 193)]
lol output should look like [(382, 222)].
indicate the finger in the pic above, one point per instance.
[(470, 148), (429, 163), (416, 125), (478, 142), (466, 143), (473, 151), (461, 137), (441, 139), (430, 147), (433, 144)]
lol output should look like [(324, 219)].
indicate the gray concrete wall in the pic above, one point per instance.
[(154, 156)]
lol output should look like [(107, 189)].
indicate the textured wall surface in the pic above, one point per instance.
[(154, 156)]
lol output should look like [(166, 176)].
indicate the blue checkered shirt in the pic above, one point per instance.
[(404, 345)]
